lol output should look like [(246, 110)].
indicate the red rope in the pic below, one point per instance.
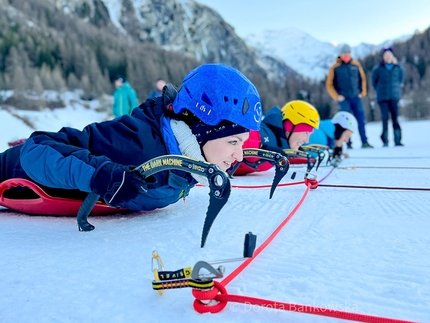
[(222, 297), (327, 175), (382, 167), (244, 264), (267, 185), (378, 187), (279, 185), (215, 300), (263, 185)]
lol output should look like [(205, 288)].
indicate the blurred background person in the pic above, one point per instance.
[(387, 80), (124, 97), (346, 83), (159, 84)]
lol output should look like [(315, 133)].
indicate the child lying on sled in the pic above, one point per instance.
[(207, 120), (281, 130), (334, 132)]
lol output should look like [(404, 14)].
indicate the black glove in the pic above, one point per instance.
[(118, 184), (336, 157), (337, 152)]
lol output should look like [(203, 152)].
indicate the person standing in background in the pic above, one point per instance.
[(159, 84), (346, 83), (125, 98), (387, 80)]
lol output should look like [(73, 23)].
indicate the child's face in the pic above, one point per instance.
[(346, 135), (225, 151), (298, 138)]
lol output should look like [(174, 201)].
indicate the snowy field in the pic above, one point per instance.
[(357, 250)]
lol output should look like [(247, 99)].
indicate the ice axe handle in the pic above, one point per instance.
[(249, 245), (85, 210)]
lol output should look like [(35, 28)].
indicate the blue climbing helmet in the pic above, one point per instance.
[(217, 92)]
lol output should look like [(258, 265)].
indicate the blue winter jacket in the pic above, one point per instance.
[(154, 94), (272, 131), (67, 160), (324, 135), (387, 83)]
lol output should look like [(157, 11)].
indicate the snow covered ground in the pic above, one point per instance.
[(357, 250), (77, 113)]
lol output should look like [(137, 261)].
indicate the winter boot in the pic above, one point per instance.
[(366, 145), (398, 137), (384, 140)]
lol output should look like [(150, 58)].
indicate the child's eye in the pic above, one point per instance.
[(233, 142)]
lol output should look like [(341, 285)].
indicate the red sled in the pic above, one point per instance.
[(46, 204)]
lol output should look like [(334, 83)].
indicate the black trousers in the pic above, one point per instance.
[(390, 107)]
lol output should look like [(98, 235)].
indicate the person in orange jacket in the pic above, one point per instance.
[(346, 83), (286, 128)]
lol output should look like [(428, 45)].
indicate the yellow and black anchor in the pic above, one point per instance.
[(184, 277), (201, 276)]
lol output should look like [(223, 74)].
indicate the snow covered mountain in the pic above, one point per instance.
[(308, 56), (179, 25)]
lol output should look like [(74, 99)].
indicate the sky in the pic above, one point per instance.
[(334, 21)]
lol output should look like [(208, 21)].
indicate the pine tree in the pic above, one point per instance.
[(107, 86), (94, 74), (27, 66), (72, 82), (37, 85), (6, 82), (15, 71), (19, 81), (58, 79), (86, 87), (46, 77), (2, 82), (11, 63)]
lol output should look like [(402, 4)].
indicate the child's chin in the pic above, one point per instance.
[(224, 166)]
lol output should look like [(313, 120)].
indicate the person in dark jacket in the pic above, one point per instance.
[(286, 128), (159, 85), (208, 119), (346, 83), (387, 80)]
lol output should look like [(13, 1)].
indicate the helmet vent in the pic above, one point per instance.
[(188, 91), (245, 106), (225, 99), (206, 99), (235, 101)]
